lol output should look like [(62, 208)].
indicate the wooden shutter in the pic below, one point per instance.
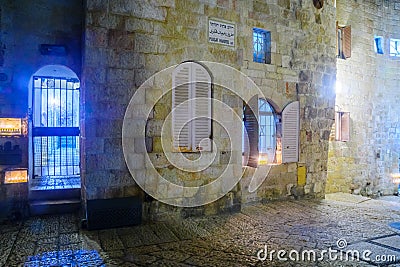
[(346, 37), (290, 132), (181, 115), (251, 127), (201, 137), (342, 125)]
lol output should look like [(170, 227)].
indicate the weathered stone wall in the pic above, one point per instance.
[(128, 41), (303, 68), (368, 89), (24, 25)]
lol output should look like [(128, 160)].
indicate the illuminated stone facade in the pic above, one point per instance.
[(128, 41), (125, 42), (368, 85)]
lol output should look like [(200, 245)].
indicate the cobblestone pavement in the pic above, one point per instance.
[(304, 226), (55, 182)]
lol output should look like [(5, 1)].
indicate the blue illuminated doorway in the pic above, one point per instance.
[(55, 150)]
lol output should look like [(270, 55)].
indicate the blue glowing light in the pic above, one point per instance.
[(65, 258)]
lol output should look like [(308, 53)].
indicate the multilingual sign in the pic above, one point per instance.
[(221, 33)]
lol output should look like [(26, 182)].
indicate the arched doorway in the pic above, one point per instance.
[(54, 162)]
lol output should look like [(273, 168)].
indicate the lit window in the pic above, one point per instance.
[(378, 40), (395, 47), (268, 137), (267, 132), (261, 46)]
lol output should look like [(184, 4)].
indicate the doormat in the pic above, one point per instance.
[(395, 225)]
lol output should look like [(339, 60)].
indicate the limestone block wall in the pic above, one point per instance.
[(303, 68), (368, 89), (126, 42)]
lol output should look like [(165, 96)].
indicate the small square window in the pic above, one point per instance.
[(378, 40), (395, 47), (261, 46), (269, 138)]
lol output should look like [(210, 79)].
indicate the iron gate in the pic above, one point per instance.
[(55, 128)]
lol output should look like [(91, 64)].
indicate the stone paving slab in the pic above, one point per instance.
[(346, 197), (392, 242), (223, 240)]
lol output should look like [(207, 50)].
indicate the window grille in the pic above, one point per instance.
[(261, 46)]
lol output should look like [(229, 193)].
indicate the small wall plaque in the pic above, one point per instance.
[(221, 32)]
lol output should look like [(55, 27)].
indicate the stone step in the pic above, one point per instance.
[(55, 194), (43, 207)]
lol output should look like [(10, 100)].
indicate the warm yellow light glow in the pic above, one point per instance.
[(10, 126), (262, 159), (395, 178), (16, 176)]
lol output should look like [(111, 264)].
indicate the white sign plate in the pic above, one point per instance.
[(221, 33)]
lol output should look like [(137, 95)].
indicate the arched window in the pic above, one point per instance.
[(54, 100), (191, 120), (263, 141), (266, 132)]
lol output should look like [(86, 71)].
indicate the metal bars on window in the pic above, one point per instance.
[(261, 46), (55, 129)]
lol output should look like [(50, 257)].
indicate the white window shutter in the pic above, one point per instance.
[(181, 115), (201, 88), (291, 132), (191, 122), (250, 149)]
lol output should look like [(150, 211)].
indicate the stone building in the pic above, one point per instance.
[(367, 81), (97, 81)]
